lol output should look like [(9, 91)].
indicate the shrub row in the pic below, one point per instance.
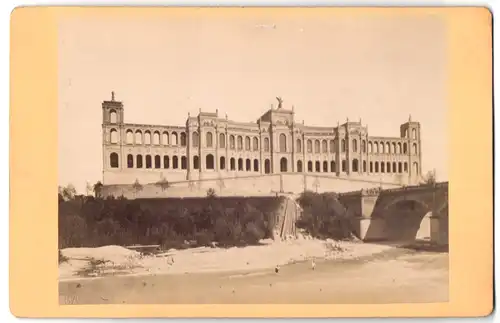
[(85, 221)]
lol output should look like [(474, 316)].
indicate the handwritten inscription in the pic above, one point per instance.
[(68, 300)]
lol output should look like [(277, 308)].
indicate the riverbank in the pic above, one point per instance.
[(396, 275), (87, 263)]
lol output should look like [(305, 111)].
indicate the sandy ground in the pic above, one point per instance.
[(115, 260), (359, 273)]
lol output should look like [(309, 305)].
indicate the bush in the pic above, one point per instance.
[(93, 222), (323, 216)]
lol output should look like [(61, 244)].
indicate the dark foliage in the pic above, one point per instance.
[(171, 222), (324, 216)]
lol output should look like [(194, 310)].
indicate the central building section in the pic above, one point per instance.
[(218, 145)]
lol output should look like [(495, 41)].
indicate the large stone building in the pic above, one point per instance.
[(211, 146)]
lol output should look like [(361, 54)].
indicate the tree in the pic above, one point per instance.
[(88, 189), (137, 186), (98, 189), (68, 192), (163, 183), (430, 178), (211, 193)]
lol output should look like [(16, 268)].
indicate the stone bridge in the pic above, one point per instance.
[(407, 213)]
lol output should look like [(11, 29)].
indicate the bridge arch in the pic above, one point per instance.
[(407, 220)]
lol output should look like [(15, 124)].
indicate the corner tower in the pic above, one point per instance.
[(112, 133), (410, 134), (112, 111)]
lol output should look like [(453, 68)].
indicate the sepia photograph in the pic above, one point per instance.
[(264, 158)]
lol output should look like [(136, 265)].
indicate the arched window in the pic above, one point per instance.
[(299, 146), (196, 162), (138, 161), (309, 146), (138, 137), (267, 166), (156, 138), (370, 147), (266, 144), (147, 138), (283, 165), (231, 142), (405, 148), (316, 146), (196, 139), (166, 162), (255, 165), (113, 160), (210, 161), (376, 167), (317, 166), (388, 167), (247, 143), (248, 164), (382, 167), (112, 116), (240, 143), (400, 167), (415, 168), (355, 165), (332, 146), (148, 161), (342, 145), (232, 164), (388, 148), (371, 167), (415, 149), (364, 166), (183, 139), (310, 166), (157, 161), (393, 147), (130, 137), (299, 166), (414, 133), (113, 136), (210, 140), (175, 162), (344, 166), (255, 144), (325, 167), (173, 139), (405, 167), (282, 143), (375, 147), (164, 139), (240, 163), (130, 161), (354, 145), (406, 133), (222, 162), (394, 167), (363, 146), (222, 140), (382, 148), (324, 146), (399, 148), (183, 162), (333, 169)]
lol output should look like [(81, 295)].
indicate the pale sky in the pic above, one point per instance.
[(378, 69)]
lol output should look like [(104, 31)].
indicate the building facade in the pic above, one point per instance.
[(211, 146)]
